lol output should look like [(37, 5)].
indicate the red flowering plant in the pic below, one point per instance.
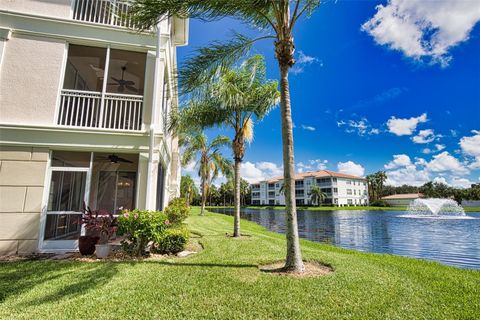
[(100, 222)]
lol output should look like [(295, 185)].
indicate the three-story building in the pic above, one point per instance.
[(340, 189), (84, 100)]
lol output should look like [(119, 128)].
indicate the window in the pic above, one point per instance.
[(349, 201), (349, 182), (334, 179), (349, 191), (116, 190), (85, 70), (126, 72), (335, 190), (354, 191)]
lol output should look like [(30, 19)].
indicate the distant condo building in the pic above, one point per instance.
[(340, 189)]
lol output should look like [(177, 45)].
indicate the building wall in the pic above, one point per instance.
[(22, 179), (30, 78), (399, 202), (51, 8), (358, 196)]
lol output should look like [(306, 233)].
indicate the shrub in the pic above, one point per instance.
[(172, 241), (379, 203), (177, 210), (140, 228)]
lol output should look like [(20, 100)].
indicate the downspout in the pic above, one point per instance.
[(149, 197)]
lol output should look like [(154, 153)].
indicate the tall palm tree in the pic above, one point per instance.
[(210, 161), (317, 196), (235, 98), (276, 20)]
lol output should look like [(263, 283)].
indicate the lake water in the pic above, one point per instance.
[(452, 242)]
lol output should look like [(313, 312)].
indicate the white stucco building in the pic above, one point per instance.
[(83, 107), (341, 189)]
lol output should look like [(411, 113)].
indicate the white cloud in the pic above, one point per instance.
[(399, 160), (424, 136), (471, 147), (312, 165), (461, 183), (308, 128), (405, 127), (423, 29), (253, 172), (438, 147), (445, 162), (440, 180), (407, 175), (302, 61), (361, 127), (351, 167)]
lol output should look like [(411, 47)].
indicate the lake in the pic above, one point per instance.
[(454, 242)]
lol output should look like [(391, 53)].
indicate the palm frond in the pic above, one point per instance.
[(205, 64)]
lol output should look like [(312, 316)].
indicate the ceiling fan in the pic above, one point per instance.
[(115, 159), (122, 83)]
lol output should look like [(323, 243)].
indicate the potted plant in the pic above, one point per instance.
[(104, 224), (86, 243)]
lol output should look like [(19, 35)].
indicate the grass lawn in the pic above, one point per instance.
[(224, 282), (467, 209)]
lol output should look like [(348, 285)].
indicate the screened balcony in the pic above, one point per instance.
[(103, 88)]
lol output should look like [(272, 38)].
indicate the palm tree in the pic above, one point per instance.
[(317, 196), (188, 190), (210, 161), (275, 19), (234, 99)]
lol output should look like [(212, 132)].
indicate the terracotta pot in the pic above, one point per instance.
[(86, 245)]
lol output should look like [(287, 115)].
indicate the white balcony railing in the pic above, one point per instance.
[(92, 110), (111, 12)]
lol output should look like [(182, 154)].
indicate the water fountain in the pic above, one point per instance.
[(436, 208)]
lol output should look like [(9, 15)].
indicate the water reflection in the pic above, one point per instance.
[(452, 242)]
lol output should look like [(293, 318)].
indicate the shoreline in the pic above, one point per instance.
[(358, 208)]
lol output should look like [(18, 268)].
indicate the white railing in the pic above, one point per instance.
[(111, 12), (94, 110)]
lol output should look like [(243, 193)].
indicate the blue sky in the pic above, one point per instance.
[(394, 87)]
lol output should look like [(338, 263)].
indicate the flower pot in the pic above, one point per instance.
[(86, 245), (102, 250)]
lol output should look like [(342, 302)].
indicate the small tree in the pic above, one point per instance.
[(210, 161), (188, 190)]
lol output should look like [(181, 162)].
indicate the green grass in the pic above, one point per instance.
[(467, 209), (224, 282)]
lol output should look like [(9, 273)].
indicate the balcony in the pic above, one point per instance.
[(109, 12), (89, 109)]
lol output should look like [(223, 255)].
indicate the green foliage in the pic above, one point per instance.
[(140, 227), (177, 211), (379, 203), (172, 241), (188, 190)]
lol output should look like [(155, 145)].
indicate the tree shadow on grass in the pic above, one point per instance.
[(68, 279), (204, 265)]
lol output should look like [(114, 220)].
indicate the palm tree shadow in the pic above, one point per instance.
[(80, 281), (204, 265), (73, 279)]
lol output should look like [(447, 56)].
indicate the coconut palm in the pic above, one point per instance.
[(317, 196), (234, 99), (275, 19), (210, 161)]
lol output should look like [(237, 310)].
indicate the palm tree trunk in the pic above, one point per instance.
[(204, 198), (294, 261), (236, 222)]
